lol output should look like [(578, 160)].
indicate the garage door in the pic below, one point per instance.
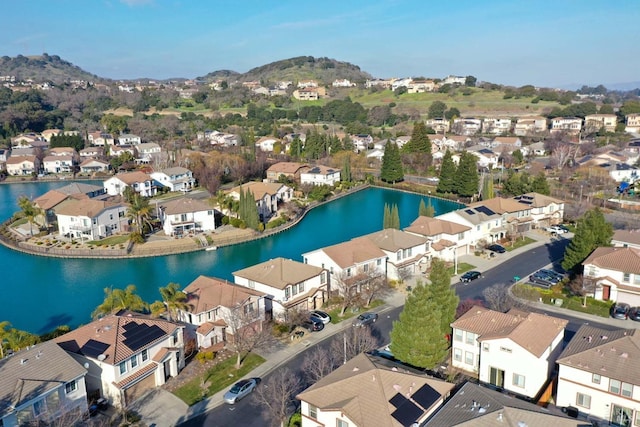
[(137, 390), (632, 299)]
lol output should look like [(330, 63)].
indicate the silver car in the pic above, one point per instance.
[(239, 390)]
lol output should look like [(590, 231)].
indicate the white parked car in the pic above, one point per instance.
[(556, 229)]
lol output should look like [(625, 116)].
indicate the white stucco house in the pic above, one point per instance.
[(176, 178), (613, 274), (180, 216), (545, 210), (514, 351), (447, 239), (126, 354), (58, 164), (405, 252), (129, 139), (140, 182), (268, 196), (94, 165), (287, 284), (22, 165), (320, 175), (91, 219), (626, 238), (485, 225)]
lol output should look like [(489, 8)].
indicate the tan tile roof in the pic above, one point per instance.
[(185, 205), (506, 139), (259, 189), (442, 244), (136, 376), (50, 199), (537, 200), (16, 160), (279, 272), (133, 177), (427, 226), (91, 161), (286, 167), (393, 240), (355, 251), (57, 159), (109, 331), (501, 205), (611, 353), (70, 150), (627, 236), (362, 391), (46, 367), (626, 260), (87, 207), (176, 170), (206, 293), (533, 332)]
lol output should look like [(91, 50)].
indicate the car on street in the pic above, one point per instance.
[(312, 325), (496, 248), (240, 390), (470, 275), (552, 273), (556, 229), (620, 311), (634, 313), (365, 319), (321, 315)]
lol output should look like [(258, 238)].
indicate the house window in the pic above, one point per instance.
[(460, 236), (39, 407), (323, 277), (398, 255), (627, 389), (470, 337), (478, 228), (379, 262), (348, 272), (248, 308), (123, 368), (485, 346), (145, 355), (505, 349), (252, 284), (71, 386), (111, 217), (210, 213), (626, 277), (636, 279), (313, 412), (287, 292), (301, 287), (583, 400), (341, 423), (365, 268), (457, 335), (518, 380), (468, 358), (134, 361), (614, 386), (457, 355), (595, 378)]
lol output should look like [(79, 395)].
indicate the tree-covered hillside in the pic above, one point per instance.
[(43, 68)]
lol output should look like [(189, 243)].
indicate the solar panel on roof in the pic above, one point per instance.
[(485, 210), (93, 348), (397, 400), (426, 396), (137, 335), (407, 413), (469, 211)]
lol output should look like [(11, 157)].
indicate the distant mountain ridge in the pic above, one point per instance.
[(43, 68)]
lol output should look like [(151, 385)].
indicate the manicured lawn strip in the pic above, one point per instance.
[(463, 267), (335, 313), (219, 377), (572, 302), (520, 243), (19, 222), (113, 240)]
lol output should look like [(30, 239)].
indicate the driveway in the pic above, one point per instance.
[(159, 408)]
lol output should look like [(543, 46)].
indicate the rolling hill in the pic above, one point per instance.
[(43, 68)]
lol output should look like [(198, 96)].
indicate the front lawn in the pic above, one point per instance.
[(352, 311), (463, 267), (110, 241), (520, 243), (218, 378), (558, 296)]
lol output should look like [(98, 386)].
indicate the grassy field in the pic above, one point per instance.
[(113, 240)]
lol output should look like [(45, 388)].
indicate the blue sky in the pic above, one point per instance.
[(517, 42)]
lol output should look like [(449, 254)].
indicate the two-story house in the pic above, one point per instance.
[(90, 219), (516, 216), (466, 126), (406, 252), (218, 309), (42, 385), (496, 125), (140, 182), (22, 165), (92, 165), (632, 123), (290, 170), (176, 178), (89, 152), (529, 126), (514, 351), (597, 121), (545, 210), (129, 139), (440, 125), (287, 284), (366, 391), (613, 274), (486, 226), (447, 239), (320, 175), (58, 164), (598, 374), (180, 216), (626, 238), (101, 139), (268, 196), (350, 263), (569, 125), (126, 354)]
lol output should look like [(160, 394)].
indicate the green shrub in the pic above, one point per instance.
[(280, 328), (205, 356), (295, 420), (225, 220)]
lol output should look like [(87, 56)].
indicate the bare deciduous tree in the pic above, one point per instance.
[(318, 363), (375, 284), (246, 332), (352, 342), (347, 288), (583, 286), (277, 395), (497, 298)]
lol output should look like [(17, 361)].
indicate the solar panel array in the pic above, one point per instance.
[(485, 210), (137, 335), (426, 396), (407, 412), (93, 348)]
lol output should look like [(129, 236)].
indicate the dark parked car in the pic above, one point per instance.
[(634, 314), (365, 319), (239, 390), (620, 311), (552, 273), (470, 275), (313, 324), (496, 248)]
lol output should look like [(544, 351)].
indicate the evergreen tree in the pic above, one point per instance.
[(426, 209), (391, 170), (514, 185), (592, 231), (395, 217), (252, 218), (295, 148), (386, 217), (447, 174), (540, 184), (443, 294), (416, 337), (422, 208), (466, 178), (419, 142), (346, 169), (487, 187)]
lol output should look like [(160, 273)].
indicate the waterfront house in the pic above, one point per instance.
[(94, 152), (184, 215), (598, 374), (407, 253), (22, 165), (58, 164), (290, 170), (62, 151), (486, 226), (613, 274), (545, 210), (218, 310), (90, 219), (287, 284), (367, 391), (176, 178), (475, 405), (126, 354), (516, 216), (514, 351), (52, 198), (42, 385), (94, 165), (268, 196), (140, 182), (447, 239), (320, 175)]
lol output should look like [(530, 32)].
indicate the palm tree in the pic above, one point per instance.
[(4, 331), (120, 299), (29, 210), (17, 339), (139, 212), (174, 299)]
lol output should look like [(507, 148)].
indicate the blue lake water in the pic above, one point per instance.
[(39, 293)]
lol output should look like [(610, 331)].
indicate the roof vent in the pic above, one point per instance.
[(500, 417), (23, 361), (624, 355), (102, 357), (482, 410)]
